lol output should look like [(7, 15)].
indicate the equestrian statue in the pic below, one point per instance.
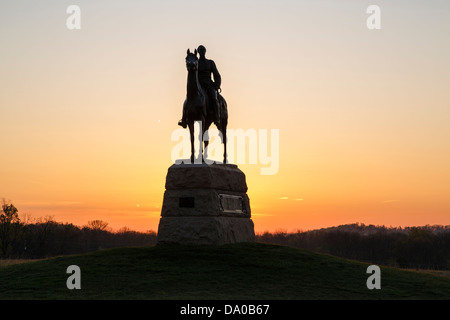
[(203, 101)]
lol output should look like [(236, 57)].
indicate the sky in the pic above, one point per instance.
[(87, 115)]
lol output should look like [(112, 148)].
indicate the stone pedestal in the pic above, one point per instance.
[(205, 204)]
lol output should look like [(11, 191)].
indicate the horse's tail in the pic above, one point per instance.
[(223, 109)]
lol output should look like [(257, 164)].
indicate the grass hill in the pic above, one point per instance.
[(241, 271)]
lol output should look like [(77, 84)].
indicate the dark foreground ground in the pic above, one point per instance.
[(241, 271)]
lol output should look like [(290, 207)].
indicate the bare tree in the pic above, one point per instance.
[(98, 225), (9, 221)]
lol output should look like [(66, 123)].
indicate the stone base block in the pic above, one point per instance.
[(205, 230), (216, 176)]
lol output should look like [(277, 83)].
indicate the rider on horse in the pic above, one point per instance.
[(205, 68)]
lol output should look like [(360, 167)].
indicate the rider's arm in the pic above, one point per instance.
[(216, 74)]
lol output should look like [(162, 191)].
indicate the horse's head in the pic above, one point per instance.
[(192, 60)]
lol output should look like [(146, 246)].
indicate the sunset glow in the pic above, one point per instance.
[(363, 115)]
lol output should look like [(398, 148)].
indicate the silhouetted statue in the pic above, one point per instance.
[(206, 67), (203, 101)]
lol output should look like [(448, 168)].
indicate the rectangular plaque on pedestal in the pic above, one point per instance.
[(231, 204)]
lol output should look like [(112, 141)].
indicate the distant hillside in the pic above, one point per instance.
[(426, 247), (364, 229), (240, 271)]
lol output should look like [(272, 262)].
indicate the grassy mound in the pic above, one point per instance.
[(239, 271)]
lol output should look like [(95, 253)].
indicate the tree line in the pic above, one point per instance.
[(44, 237), (425, 247)]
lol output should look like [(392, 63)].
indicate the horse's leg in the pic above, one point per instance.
[(191, 132), (200, 139), (223, 126), (206, 141), (224, 141)]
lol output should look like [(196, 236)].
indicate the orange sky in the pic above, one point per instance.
[(87, 115)]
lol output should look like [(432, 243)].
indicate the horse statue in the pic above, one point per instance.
[(197, 108)]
